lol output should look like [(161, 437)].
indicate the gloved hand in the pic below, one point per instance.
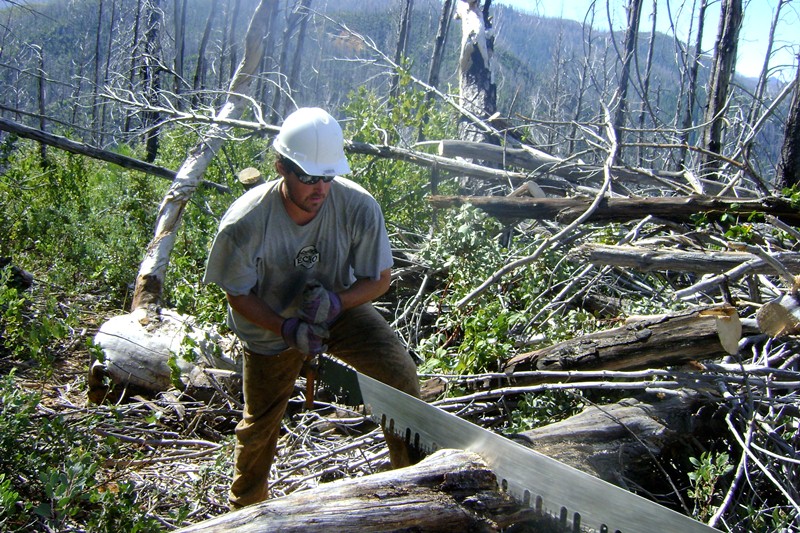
[(307, 338), (320, 306)]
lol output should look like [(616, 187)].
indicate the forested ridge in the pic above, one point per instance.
[(595, 241)]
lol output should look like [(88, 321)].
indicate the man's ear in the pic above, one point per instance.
[(280, 168)]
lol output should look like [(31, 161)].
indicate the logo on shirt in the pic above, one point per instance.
[(307, 257)]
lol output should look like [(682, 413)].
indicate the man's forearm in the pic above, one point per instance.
[(366, 290), (256, 311)]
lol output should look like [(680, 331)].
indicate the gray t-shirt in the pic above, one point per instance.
[(260, 249)]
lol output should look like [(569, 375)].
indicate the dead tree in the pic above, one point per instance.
[(149, 282), (404, 29), (180, 45), (200, 69), (629, 51), (691, 85), (151, 77)]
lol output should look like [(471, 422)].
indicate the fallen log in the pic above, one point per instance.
[(696, 261), (451, 490), (566, 210), (627, 443), (650, 342)]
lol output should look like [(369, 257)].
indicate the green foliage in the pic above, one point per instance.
[(29, 331), (76, 220), (535, 410), (467, 249), (793, 195), (709, 469), (398, 186)]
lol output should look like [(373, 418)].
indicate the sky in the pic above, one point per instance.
[(758, 15)]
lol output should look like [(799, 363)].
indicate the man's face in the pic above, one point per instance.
[(308, 198)]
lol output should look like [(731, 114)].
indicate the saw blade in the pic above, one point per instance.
[(579, 500)]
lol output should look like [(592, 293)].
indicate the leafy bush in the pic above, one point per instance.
[(29, 331), (399, 187)]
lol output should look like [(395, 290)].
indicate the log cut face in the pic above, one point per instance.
[(451, 490)]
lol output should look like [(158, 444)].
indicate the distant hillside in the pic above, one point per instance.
[(540, 63)]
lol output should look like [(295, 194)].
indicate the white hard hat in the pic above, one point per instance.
[(312, 139)]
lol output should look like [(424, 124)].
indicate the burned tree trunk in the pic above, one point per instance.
[(626, 443), (789, 166), (676, 208), (722, 71)]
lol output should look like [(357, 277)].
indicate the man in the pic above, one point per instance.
[(300, 260)]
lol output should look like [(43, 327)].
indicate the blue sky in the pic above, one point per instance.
[(752, 44)]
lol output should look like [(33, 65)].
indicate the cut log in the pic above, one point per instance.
[(154, 355), (566, 210), (450, 490), (656, 341)]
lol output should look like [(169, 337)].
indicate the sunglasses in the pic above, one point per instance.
[(311, 180)]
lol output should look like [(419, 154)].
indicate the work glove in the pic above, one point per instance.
[(320, 306), (307, 338)]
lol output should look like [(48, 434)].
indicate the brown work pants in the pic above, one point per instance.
[(361, 338)]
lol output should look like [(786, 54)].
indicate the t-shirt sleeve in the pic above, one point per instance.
[(372, 251), (229, 267)]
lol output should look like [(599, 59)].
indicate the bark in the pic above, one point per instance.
[(691, 85), (40, 85), (438, 45), (698, 262), (675, 208), (294, 73), (543, 163), (150, 280), (293, 22), (477, 90), (788, 173), (96, 88), (180, 45), (134, 61), (234, 46), (107, 69), (722, 71), (657, 341), (449, 491), (648, 70)]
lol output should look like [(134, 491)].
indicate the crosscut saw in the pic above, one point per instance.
[(580, 501)]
